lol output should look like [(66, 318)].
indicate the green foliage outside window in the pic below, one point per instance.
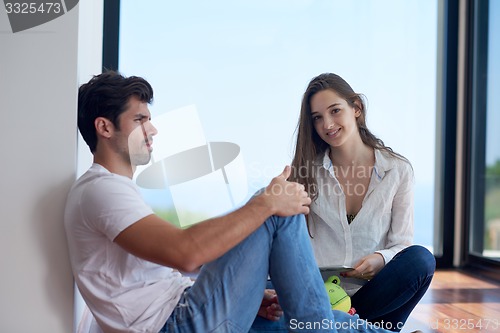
[(492, 207)]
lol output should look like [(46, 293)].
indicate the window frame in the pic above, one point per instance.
[(446, 135), (444, 241), (476, 68)]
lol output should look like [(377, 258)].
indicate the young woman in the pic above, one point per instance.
[(362, 210)]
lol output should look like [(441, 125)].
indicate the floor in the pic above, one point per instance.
[(457, 302)]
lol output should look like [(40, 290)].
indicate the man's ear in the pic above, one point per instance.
[(104, 127)]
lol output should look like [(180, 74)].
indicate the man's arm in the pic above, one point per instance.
[(156, 240)]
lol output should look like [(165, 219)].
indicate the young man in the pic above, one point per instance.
[(126, 260)]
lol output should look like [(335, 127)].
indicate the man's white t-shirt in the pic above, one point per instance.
[(124, 293)]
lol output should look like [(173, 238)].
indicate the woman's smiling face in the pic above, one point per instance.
[(333, 118)]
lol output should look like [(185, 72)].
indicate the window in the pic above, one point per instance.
[(484, 215), (241, 67)]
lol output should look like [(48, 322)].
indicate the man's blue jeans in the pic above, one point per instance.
[(228, 291)]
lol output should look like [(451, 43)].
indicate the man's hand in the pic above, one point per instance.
[(287, 198), (269, 308), (367, 267)]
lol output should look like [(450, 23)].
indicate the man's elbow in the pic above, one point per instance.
[(188, 263), (189, 260)]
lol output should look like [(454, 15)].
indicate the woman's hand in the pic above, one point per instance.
[(270, 308), (367, 267)]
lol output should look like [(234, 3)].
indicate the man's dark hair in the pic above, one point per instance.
[(107, 95)]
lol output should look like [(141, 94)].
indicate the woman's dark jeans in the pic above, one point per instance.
[(394, 292)]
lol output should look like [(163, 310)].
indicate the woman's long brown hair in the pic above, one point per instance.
[(309, 145)]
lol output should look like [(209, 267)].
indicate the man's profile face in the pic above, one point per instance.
[(137, 132)]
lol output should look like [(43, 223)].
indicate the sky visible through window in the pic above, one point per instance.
[(493, 103), (244, 65)]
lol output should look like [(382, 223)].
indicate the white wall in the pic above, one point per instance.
[(38, 91), (89, 64), (89, 61)]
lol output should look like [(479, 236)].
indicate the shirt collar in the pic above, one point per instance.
[(327, 162), (383, 163)]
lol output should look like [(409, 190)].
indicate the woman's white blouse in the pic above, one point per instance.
[(384, 224)]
